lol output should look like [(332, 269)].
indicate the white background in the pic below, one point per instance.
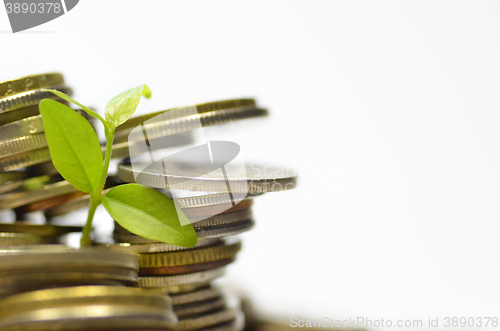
[(389, 111)]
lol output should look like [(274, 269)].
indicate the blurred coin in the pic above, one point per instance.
[(26, 159), (202, 294), (130, 148), (185, 279), (29, 83), (6, 177), (207, 320), (48, 203), (153, 247), (202, 177), (81, 295), (92, 317), (23, 239), (11, 186), (200, 307), (18, 199), (44, 230)]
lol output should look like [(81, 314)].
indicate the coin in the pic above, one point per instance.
[(153, 247), (182, 111), (24, 127), (83, 259), (200, 307), (184, 269), (18, 199), (81, 295), (207, 320), (23, 239), (11, 186), (26, 159), (92, 317), (205, 293), (22, 144), (47, 203), (186, 279), (31, 98), (201, 177), (43, 230), (6, 177), (167, 124), (29, 83), (202, 233), (131, 148)]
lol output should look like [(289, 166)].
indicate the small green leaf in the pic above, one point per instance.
[(70, 99), (35, 183), (149, 214), (122, 107), (73, 144)]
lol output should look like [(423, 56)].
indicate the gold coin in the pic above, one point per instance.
[(201, 255), (154, 247), (92, 317), (200, 307), (11, 186), (207, 320), (43, 230), (82, 295), (10, 176), (23, 239), (26, 159), (29, 83), (202, 294)]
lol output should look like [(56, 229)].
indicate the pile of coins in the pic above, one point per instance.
[(215, 193)]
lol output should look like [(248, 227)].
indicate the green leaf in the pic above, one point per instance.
[(122, 107), (70, 99), (149, 214), (73, 144)]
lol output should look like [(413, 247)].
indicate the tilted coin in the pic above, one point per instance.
[(207, 320), (31, 98), (6, 177), (183, 111), (43, 230), (202, 294), (26, 159), (18, 199), (82, 258), (200, 307), (211, 232), (202, 177), (131, 148), (222, 251), (167, 124), (185, 279), (153, 247), (81, 295), (29, 83), (185, 269), (18, 114), (225, 208), (92, 317), (26, 126)]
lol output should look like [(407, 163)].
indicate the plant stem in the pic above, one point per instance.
[(95, 197)]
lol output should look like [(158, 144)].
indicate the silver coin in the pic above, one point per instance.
[(202, 294), (203, 177), (200, 307), (185, 279), (153, 247)]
